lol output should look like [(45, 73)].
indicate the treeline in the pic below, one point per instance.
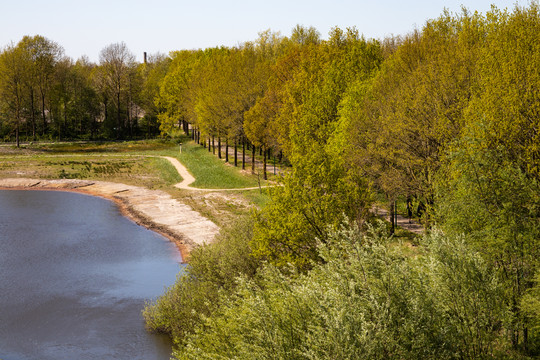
[(447, 117), (45, 95)]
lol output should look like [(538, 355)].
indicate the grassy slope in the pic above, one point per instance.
[(209, 171)]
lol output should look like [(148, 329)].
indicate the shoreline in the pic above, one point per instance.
[(153, 209)]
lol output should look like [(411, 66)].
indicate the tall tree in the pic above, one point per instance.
[(44, 56), (13, 69), (490, 185), (116, 64), (152, 73)]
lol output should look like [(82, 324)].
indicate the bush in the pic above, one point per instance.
[(367, 301), (197, 291)]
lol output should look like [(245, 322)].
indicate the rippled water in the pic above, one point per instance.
[(74, 277)]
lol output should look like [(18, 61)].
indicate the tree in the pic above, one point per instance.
[(44, 56), (117, 64), (178, 91), (490, 185), (152, 73), (401, 122), (13, 69)]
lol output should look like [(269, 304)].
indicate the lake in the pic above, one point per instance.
[(74, 277)]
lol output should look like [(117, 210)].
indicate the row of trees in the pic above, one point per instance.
[(447, 116), (46, 95)]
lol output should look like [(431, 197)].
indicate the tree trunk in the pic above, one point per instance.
[(235, 152), (265, 177), (213, 145), (17, 135), (118, 116), (93, 128), (253, 159), (65, 116), (33, 112), (43, 112), (219, 146), (226, 150), (392, 218), (243, 153)]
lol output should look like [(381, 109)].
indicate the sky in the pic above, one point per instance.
[(161, 26)]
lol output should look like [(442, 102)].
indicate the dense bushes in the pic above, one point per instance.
[(366, 300), (197, 291)]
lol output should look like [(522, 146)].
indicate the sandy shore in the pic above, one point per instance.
[(154, 209)]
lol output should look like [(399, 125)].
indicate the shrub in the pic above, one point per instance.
[(367, 301)]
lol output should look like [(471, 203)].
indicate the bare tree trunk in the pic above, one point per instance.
[(65, 115), (33, 112), (243, 153), (253, 159), (17, 134), (227, 150), (118, 115), (392, 217), (235, 151), (43, 112), (18, 115), (213, 146), (265, 177), (219, 146)]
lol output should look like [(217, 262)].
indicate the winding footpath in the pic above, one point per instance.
[(188, 179)]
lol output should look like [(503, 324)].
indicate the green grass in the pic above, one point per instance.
[(211, 172), (167, 171), (257, 197)]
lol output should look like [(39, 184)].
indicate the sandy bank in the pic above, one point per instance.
[(153, 209)]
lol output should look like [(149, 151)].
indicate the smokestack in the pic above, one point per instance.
[(145, 57)]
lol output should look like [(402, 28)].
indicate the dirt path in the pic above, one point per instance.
[(402, 221), (188, 179)]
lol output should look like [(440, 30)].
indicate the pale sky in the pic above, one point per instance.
[(86, 27)]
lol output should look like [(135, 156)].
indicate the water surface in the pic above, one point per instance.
[(74, 277)]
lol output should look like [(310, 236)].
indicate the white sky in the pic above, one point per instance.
[(86, 27)]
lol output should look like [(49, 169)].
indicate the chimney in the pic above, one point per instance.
[(145, 57)]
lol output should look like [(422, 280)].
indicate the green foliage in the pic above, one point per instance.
[(400, 122), (313, 196), (49, 96), (365, 302), (530, 305), (489, 185), (198, 290), (486, 195)]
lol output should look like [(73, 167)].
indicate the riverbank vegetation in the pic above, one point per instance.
[(446, 117)]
